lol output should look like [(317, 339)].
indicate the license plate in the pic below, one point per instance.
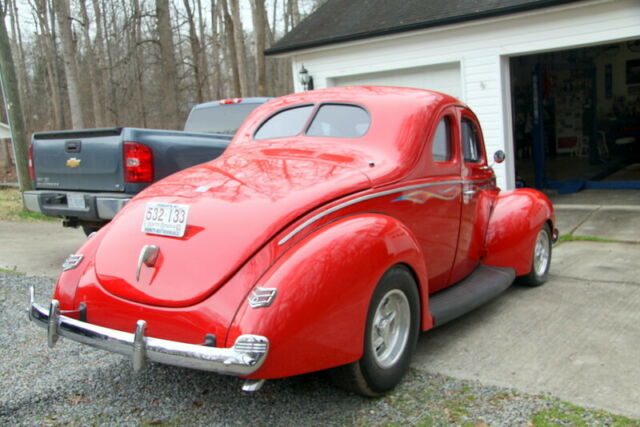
[(75, 201), (165, 219)]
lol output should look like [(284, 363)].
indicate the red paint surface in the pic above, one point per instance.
[(411, 211)]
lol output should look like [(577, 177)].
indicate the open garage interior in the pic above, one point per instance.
[(576, 117)]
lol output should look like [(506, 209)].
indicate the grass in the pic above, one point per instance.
[(5, 270), (574, 238), (11, 208), (425, 400), (566, 414)]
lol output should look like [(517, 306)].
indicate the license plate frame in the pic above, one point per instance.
[(165, 219)]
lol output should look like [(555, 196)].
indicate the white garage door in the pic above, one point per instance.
[(442, 78)]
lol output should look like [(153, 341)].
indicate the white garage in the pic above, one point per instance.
[(487, 54)]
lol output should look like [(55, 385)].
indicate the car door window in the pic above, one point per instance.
[(470, 141), (441, 145)]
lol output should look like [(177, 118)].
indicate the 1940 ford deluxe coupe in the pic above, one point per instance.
[(337, 225)]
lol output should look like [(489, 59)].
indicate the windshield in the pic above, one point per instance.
[(221, 118)]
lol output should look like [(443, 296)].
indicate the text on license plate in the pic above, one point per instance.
[(165, 219)]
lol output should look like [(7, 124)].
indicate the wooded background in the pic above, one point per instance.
[(101, 63)]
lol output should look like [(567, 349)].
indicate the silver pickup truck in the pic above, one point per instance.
[(86, 176)]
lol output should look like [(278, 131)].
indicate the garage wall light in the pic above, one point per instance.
[(305, 79)]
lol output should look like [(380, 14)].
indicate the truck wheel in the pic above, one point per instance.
[(541, 259), (391, 334), (89, 228)]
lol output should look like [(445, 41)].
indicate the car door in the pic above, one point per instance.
[(436, 202), (478, 192)]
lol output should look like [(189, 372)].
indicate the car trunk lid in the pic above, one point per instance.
[(236, 204)]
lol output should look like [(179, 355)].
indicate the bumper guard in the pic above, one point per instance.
[(245, 357)]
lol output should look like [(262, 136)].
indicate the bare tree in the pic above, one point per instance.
[(196, 53), (94, 72), (11, 96), (230, 42), (169, 69), (238, 35), (260, 29), (47, 36), (70, 65)]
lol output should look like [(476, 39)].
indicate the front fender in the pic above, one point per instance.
[(324, 284), (515, 221)]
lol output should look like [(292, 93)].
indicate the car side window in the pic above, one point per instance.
[(470, 141), (441, 144), (289, 122)]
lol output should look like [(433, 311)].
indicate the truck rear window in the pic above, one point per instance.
[(330, 120), (225, 118)]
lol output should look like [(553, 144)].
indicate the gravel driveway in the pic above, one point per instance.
[(77, 385)]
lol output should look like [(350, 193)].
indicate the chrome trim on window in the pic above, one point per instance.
[(329, 211), (262, 297), (72, 262), (245, 357)]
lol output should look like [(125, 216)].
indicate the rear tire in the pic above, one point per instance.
[(541, 259), (391, 333)]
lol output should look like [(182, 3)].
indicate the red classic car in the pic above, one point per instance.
[(337, 225)]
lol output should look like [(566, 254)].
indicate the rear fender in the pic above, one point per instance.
[(324, 284), (65, 291), (517, 217)]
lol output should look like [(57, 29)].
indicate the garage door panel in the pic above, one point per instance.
[(442, 78)]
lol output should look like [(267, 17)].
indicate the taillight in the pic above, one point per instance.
[(138, 162), (32, 168), (230, 101)]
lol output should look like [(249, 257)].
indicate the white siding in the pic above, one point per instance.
[(5, 132), (482, 48)]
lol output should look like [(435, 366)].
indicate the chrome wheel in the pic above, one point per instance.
[(391, 326), (542, 252)]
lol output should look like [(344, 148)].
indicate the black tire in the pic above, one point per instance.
[(91, 227), (541, 259), (382, 367)]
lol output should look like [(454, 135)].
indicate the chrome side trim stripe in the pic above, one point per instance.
[(329, 211)]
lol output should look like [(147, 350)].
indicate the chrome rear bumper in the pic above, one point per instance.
[(245, 357)]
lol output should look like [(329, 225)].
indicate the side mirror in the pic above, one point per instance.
[(499, 156)]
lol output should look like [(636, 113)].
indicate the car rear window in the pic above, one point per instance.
[(222, 118), (341, 121), (330, 120), (289, 122)]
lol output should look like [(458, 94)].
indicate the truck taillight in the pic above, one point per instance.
[(230, 101), (138, 162), (32, 167)]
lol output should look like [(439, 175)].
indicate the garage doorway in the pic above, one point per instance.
[(576, 117)]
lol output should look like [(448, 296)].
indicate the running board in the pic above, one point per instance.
[(484, 284)]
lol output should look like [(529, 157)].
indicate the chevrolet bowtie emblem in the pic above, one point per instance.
[(148, 256), (73, 162)]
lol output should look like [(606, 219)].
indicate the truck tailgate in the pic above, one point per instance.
[(87, 160)]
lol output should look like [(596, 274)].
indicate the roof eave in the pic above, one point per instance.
[(413, 27)]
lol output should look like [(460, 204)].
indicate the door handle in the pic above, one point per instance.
[(469, 192)]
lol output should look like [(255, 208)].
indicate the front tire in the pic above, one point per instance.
[(391, 334), (541, 259)]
